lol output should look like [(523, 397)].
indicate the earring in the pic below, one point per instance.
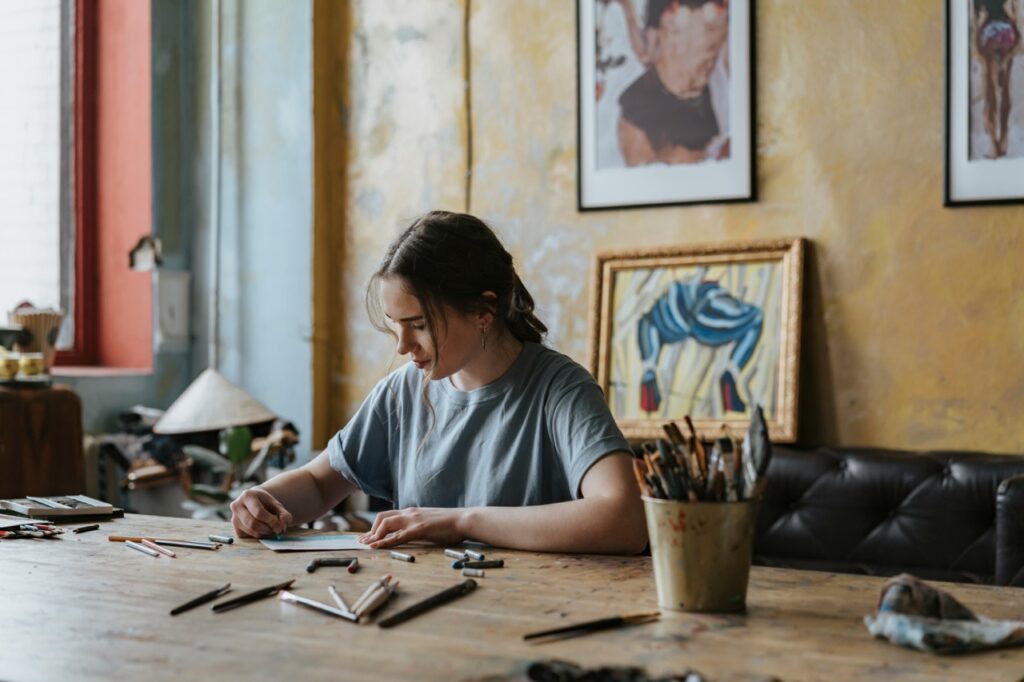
[(483, 338)]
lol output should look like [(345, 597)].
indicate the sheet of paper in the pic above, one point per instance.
[(315, 543), (7, 521)]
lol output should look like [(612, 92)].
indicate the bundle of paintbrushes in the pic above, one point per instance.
[(688, 469)]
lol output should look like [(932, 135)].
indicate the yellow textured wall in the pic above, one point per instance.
[(914, 314)]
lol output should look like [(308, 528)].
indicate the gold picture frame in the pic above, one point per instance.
[(707, 331)]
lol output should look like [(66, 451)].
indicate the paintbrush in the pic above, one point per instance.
[(596, 625)]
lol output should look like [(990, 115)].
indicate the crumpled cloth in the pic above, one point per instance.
[(914, 614)]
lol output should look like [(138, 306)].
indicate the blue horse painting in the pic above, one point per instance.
[(702, 340), (705, 312)]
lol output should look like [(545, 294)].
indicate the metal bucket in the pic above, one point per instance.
[(701, 553)]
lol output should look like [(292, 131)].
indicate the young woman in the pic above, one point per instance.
[(998, 42), (486, 434)]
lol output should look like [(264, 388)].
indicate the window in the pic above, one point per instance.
[(36, 125), (70, 214)]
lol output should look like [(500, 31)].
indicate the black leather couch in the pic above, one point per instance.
[(956, 516)]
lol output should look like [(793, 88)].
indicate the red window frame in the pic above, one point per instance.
[(113, 307), (83, 350)]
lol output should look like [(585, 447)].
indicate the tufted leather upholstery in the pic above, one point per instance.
[(937, 515), (1010, 531)]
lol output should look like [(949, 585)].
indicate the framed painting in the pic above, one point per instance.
[(707, 331), (984, 102), (665, 92)]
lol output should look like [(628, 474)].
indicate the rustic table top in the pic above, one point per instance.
[(83, 608)]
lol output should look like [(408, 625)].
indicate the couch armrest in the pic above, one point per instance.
[(1010, 532)]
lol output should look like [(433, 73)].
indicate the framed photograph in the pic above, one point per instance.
[(984, 102), (706, 331), (665, 93)]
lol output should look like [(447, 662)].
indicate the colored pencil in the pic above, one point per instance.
[(442, 597), (285, 595)]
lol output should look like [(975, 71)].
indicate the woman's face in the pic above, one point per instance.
[(458, 334)]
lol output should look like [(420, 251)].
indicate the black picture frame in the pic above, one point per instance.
[(609, 64), (976, 171)]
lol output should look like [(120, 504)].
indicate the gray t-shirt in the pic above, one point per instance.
[(526, 439)]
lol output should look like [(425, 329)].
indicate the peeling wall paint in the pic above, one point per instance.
[(406, 157), (913, 327)]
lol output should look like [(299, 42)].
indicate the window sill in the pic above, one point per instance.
[(100, 371)]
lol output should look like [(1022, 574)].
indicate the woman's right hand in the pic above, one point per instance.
[(256, 513)]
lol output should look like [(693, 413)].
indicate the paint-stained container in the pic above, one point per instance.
[(701, 553)]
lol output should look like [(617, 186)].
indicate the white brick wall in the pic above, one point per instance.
[(30, 139)]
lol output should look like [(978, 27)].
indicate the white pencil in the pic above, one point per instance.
[(141, 548), (157, 548), (376, 585), (379, 598), (285, 595), (336, 596)]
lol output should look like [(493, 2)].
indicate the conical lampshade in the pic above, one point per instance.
[(211, 403)]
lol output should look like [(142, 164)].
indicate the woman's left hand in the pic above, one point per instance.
[(399, 526)]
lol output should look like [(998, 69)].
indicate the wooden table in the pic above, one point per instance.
[(83, 608)]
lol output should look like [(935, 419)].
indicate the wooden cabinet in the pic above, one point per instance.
[(40, 442)]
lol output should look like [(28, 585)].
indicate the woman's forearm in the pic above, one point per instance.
[(595, 525), (298, 492), (311, 490)]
